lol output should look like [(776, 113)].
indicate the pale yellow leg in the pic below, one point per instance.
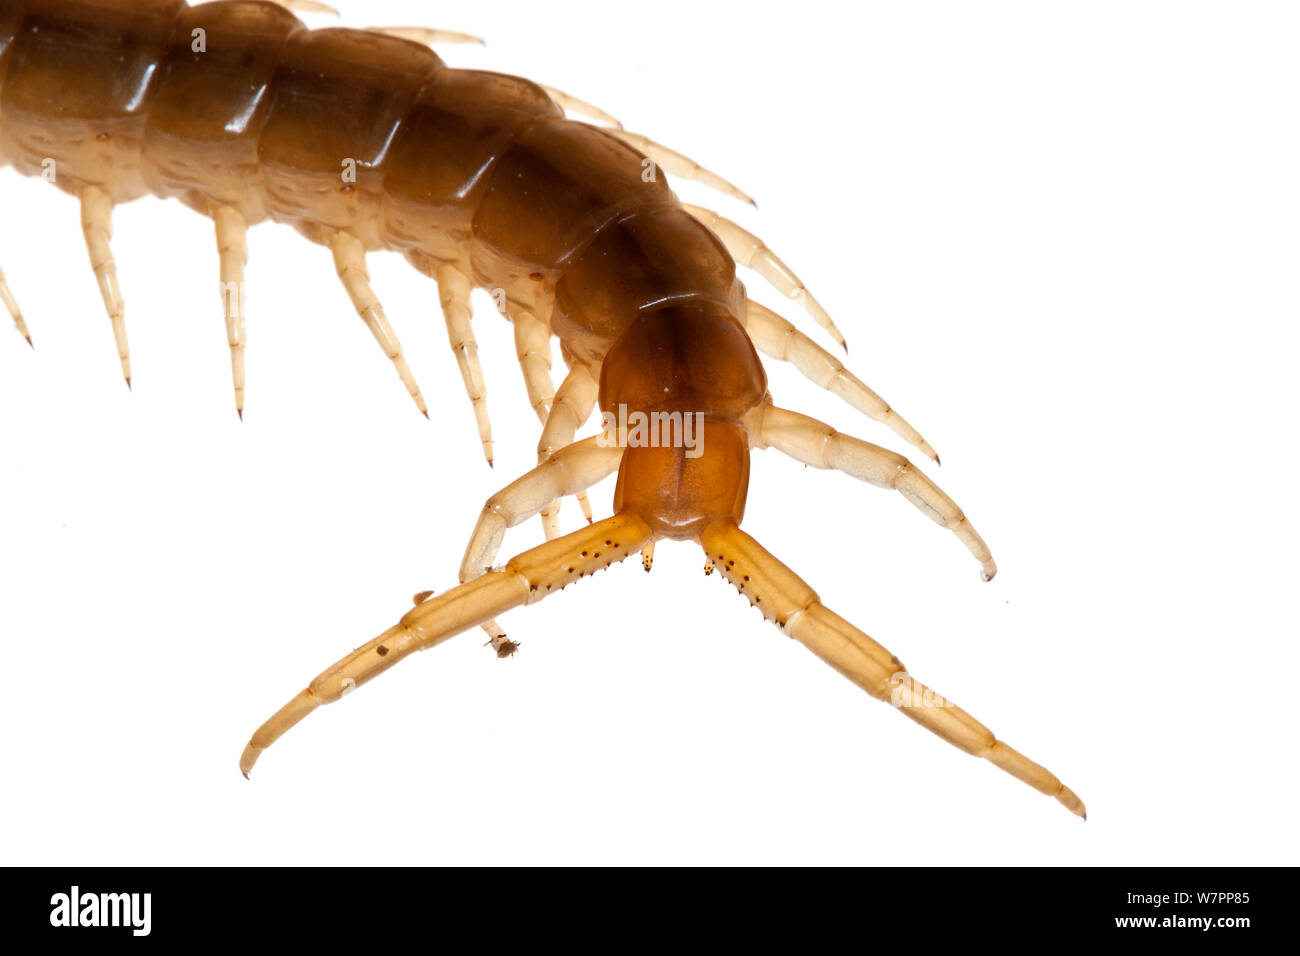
[(350, 263), (429, 36), (454, 288), (571, 104), (776, 337), (11, 304), (573, 405), (569, 471), (533, 349), (683, 166), (786, 600), (232, 247), (526, 579), (97, 225), (308, 6), (818, 444), (751, 252)]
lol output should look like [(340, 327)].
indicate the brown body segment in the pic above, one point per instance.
[(77, 84), (363, 141), (442, 160), (335, 104), (653, 256), (689, 357), (200, 136)]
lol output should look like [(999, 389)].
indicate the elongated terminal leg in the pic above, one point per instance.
[(780, 339), (526, 579), (350, 263), (818, 444), (454, 289), (11, 304), (569, 471), (683, 166), (533, 348), (97, 226), (232, 247), (573, 404), (753, 253), (793, 606)]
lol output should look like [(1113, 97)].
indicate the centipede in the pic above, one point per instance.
[(366, 141)]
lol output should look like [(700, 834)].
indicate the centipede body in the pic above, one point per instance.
[(376, 453)]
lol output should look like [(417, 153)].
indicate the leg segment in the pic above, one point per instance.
[(683, 166), (11, 304), (232, 247), (572, 406), (571, 104), (350, 263), (818, 444), (778, 338), (526, 579), (454, 289), (751, 252), (427, 36), (97, 226), (308, 6), (533, 348), (569, 471), (793, 606)]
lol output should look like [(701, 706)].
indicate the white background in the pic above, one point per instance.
[(1061, 238)]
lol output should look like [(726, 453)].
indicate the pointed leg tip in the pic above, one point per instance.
[(1070, 800), (241, 413), (128, 384), (29, 341), (425, 413)]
